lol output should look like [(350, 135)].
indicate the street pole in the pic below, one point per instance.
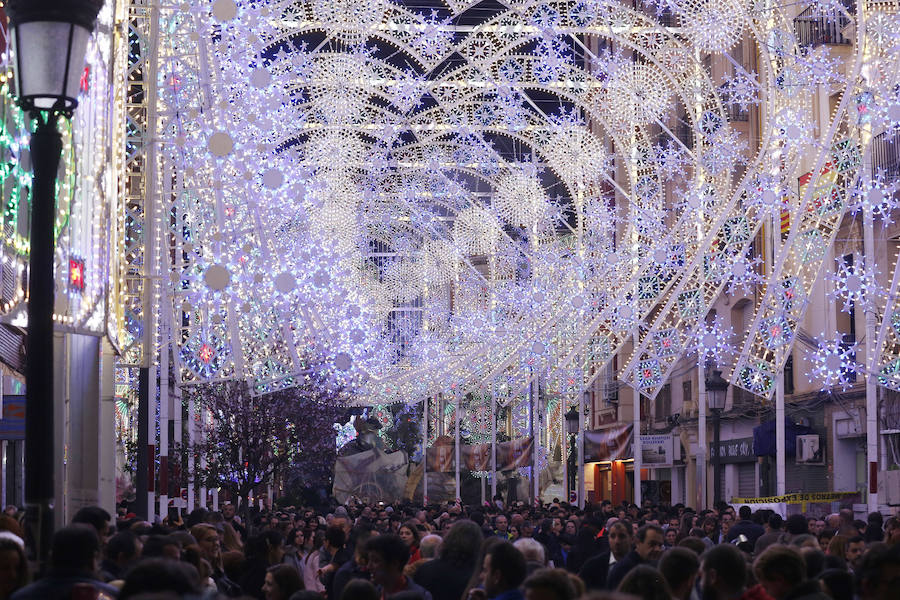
[(717, 465), (46, 151)]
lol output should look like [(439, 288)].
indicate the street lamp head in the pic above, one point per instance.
[(572, 421), (49, 42), (716, 388)]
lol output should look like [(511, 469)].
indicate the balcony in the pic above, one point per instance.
[(813, 28), (886, 156)]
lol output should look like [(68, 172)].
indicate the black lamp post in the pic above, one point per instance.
[(572, 430), (49, 41), (716, 389)]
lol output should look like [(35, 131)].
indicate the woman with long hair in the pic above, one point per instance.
[(409, 533), (281, 582), (311, 563), (298, 550)]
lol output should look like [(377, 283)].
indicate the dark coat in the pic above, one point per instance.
[(594, 571), (58, 584), (445, 580), (747, 528), (619, 570)]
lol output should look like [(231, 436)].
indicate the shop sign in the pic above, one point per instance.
[(734, 451), (657, 450)]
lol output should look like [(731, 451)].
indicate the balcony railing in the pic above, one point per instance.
[(886, 155), (813, 28)]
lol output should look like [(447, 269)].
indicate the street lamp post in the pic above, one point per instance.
[(716, 389), (49, 42), (572, 430)]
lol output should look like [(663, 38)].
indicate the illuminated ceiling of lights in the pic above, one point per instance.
[(434, 196)]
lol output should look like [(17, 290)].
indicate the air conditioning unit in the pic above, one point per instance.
[(809, 450)]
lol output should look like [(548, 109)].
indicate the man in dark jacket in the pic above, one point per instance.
[(782, 572), (746, 527), (74, 553), (723, 576), (647, 549), (595, 569), (387, 555), (447, 576)]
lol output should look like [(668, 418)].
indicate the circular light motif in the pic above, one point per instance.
[(217, 278)]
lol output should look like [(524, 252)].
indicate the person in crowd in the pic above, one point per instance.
[(311, 580), (533, 551), (387, 555), (160, 576), (774, 530), (74, 554), (121, 552), (892, 531), (356, 568), (447, 575), (409, 533), (210, 549), (679, 567), (724, 575), (502, 572), (646, 583), (837, 546), (359, 589), (281, 582), (746, 527), (874, 527), (501, 526), (550, 584), (96, 517), (825, 538), (430, 546), (647, 549), (878, 574), (595, 570), (298, 550), (783, 573), (229, 514), (836, 583), (670, 537), (13, 566), (584, 548), (514, 533), (161, 546), (856, 547)]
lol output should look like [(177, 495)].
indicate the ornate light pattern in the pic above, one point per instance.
[(427, 198)]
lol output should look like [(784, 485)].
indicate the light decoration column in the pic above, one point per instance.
[(49, 41)]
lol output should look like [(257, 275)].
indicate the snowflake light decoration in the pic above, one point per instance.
[(712, 343), (833, 363), (854, 282)]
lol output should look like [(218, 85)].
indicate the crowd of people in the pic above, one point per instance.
[(402, 551)]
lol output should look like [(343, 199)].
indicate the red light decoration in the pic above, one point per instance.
[(85, 83), (76, 274), (206, 353)]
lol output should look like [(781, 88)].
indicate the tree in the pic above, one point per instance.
[(249, 439)]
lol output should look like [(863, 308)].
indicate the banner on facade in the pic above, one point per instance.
[(812, 504), (615, 443), (371, 475), (657, 450), (515, 454), (734, 451), (477, 457), (441, 457)]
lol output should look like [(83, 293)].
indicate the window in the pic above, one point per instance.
[(789, 375), (663, 408)]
